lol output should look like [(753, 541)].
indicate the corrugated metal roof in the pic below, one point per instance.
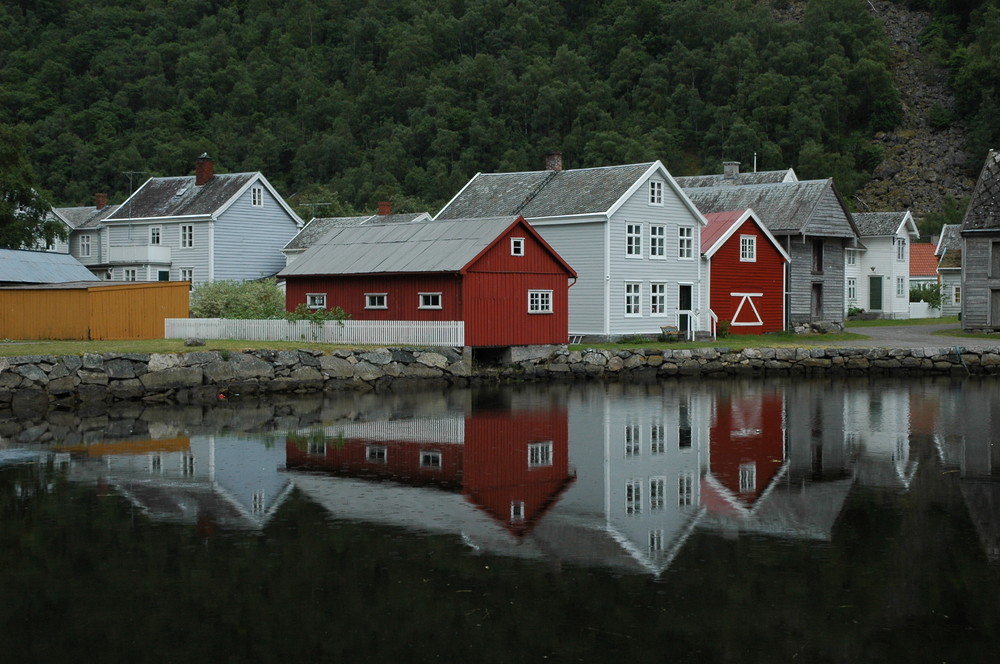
[(446, 246), (319, 226), (544, 193), (984, 207), (785, 207), (719, 180), (923, 262), (41, 267), (871, 224), (178, 196)]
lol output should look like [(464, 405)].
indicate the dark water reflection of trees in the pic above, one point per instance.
[(903, 568)]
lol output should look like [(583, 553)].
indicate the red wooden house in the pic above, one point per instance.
[(496, 274), (746, 272)]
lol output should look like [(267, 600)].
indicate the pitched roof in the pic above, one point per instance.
[(722, 225), (984, 207), (719, 179), (447, 246), (537, 194), (950, 239), (41, 267), (786, 207), (180, 197), (874, 224), (319, 226), (84, 217), (923, 262)]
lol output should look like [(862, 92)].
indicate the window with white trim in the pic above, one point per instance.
[(632, 440), (187, 465), (657, 437), (430, 459), (852, 257), (257, 502), (633, 497), (956, 295), (539, 302), (657, 493), (633, 240), (685, 489), (685, 242), (517, 246), (656, 540), (657, 241), (748, 248), (655, 192), (187, 236), (748, 477), (540, 454), (516, 510), (155, 234), (657, 299), (376, 300), (900, 286), (633, 298), (130, 274), (85, 246), (257, 196), (376, 454), (316, 448), (901, 249), (429, 301), (316, 300), (852, 289)]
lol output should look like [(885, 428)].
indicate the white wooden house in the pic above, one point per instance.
[(949, 253), (877, 271), (630, 233)]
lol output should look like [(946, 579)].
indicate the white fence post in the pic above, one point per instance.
[(357, 332)]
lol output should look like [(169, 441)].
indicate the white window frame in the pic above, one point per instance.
[(901, 249), (130, 274), (657, 437), (376, 300), (316, 300), (316, 448), (956, 294), (852, 257), (257, 196), (517, 246), (748, 248), (429, 300), (633, 497), (430, 459), (658, 299), (85, 245), (633, 240), (655, 192), (516, 511), (632, 440), (748, 477), (658, 242), (852, 289), (633, 299), (657, 492), (376, 454), (685, 489), (187, 236), (540, 454), (155, 235), (540, 302), (900, 286), (685, 242)]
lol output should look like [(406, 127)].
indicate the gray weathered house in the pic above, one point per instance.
[(949, 269), (981, 251), (813, 226)]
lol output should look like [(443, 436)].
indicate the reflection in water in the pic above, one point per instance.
[(865, 491)]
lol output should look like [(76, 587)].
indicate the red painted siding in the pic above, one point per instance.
[(730, 275), (348, 457), (348, 292), (747, 430)]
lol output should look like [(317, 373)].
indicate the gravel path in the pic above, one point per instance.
[(915, 336)]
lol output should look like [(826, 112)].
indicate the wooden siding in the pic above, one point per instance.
[(881, 255), (582, 245), (348, 293), (801, 278), (977, 283), (248, 239), (496, 310), (765, 275), (111, 311)]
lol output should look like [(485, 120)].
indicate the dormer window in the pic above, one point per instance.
[(655, 192), (257, 196), (517, 246)]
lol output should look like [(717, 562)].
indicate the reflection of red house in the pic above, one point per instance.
[(497, 275), (512, 465), (746, 272), (747, 450)]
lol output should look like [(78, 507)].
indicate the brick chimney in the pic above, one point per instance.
[(553, 161), (730, 169), (384, 208), (100, 200), (203, 170)]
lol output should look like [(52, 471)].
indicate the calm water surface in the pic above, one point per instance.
[(689, 521)]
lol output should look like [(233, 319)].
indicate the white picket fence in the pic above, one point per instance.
[(353, 332)]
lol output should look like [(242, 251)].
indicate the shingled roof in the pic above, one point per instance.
[(549, 193), (785, 208), (719, 179), (85, 217), (179, 197), (950, 239), (984, 207), (875, 224)]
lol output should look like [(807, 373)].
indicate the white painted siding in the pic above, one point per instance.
[(881, 260), (248, 239), (583, 247)]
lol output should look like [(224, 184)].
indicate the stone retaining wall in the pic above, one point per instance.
[(199, 375)]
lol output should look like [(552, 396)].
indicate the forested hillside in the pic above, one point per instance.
[(347, 102)]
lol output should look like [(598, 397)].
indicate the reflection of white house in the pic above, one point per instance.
[(878, 422), (230, 481), (877, 273)]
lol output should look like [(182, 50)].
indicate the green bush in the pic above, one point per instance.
[(318, 316), (238, 299), (929, 293)]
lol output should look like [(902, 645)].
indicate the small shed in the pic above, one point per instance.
[(91, 309), (746, 272), (497, 275)]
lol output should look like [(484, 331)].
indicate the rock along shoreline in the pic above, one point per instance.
[(199, 376)]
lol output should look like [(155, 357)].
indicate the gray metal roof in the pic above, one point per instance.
[(178, 196), (85, 217), (319, 226), (446, 246), (786, 207), (719, 179), (984, 208), (41, 267), (871, 224), (537, 194)]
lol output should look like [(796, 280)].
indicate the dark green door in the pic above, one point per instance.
[(875, 293)]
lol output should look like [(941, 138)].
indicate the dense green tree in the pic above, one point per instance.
[(25, 215)]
